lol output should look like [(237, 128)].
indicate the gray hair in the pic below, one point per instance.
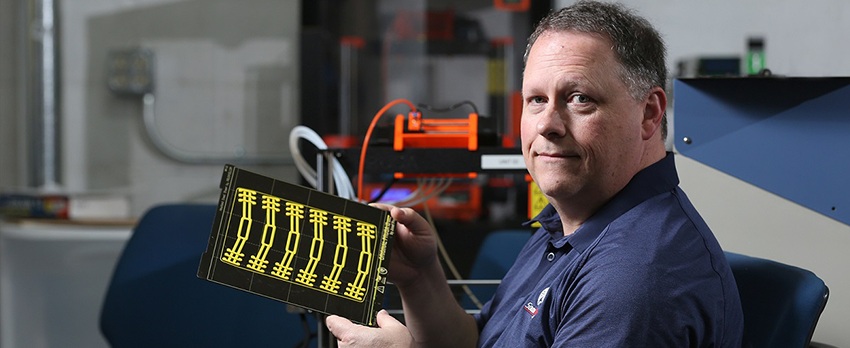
[(636, 44)]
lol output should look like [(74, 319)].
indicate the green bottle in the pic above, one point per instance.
[(755, 55)]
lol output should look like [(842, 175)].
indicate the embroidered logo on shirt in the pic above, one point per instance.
[(542, 296), (531, 308)]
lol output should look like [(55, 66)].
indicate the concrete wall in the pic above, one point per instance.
[(225, 85), (226, 78)]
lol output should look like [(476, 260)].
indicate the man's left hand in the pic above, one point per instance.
[(389, 333)]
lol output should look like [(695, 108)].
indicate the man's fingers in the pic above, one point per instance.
[(385, 320), (407, 217), (383, 206), (389, 333), (339, 326), (412, 220)]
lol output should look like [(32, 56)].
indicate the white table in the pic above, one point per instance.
[(53, 277)]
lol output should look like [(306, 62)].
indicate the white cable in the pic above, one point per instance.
[(411, 196), (421, 189), (300, 163), (341, 180), (424, 187), (441, 186), (425, 190)]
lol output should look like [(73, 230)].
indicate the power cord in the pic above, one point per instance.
[(448, 260), (450, 108)]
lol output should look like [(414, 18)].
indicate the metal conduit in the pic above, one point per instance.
[(40, 32), (158, 140)]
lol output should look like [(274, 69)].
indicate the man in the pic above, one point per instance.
[(622, 258)]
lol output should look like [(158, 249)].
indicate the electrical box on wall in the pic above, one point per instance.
[(130, 72)]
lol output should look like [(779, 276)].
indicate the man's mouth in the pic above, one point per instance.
[(557, 155)]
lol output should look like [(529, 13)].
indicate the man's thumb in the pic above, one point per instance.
[(384, 319), (338, 326)]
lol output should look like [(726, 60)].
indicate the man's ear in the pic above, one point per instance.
[(656, 105)]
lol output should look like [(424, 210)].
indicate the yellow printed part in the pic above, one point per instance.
[(294, 253), (234, 254), (536, 201), (271, 205), (496, 78), (283, 269), (307, 275), (366, 232), (295, 212), (342, 225)]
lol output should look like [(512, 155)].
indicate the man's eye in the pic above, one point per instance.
[(579, 98), (536, 100)]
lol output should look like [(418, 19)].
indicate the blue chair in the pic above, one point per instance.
[(155, 298), (781, 303)]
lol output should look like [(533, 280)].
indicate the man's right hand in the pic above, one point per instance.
[(415, 247), (431, 312)]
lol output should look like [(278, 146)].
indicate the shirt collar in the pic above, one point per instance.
[(657, 178)]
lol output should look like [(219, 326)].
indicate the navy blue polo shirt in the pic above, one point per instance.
[(644, 271)]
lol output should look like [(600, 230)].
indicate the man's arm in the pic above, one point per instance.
[(432, 313), (433, 316)]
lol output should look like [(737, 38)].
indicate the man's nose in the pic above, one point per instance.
[(551, 123)]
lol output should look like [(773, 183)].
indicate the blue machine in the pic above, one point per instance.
[(789, 136)]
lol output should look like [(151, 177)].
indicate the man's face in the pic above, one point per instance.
[(581, 129)]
